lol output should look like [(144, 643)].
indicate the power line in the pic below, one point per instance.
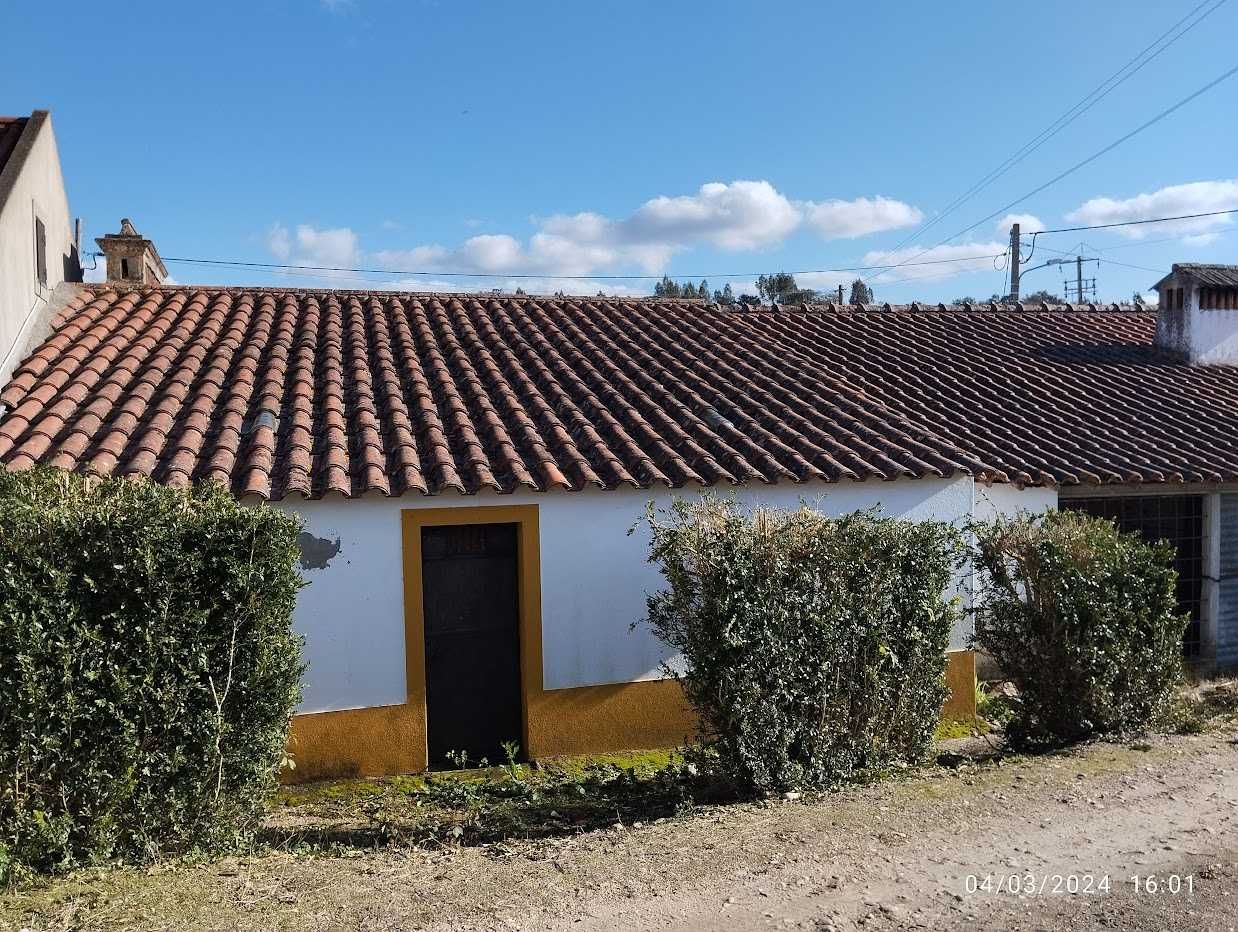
[(1131, 223), (1087, 161), (1127, 265), (303, 270), (1084, 248), (278, 266), (1082, 106)]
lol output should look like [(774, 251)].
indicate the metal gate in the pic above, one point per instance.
[(1178, 519), (1227, 614)]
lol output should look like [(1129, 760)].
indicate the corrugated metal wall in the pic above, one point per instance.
[(1227, 616)]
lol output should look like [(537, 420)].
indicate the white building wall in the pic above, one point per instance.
[(38, 190), (1207, 336), (595, 577), (989, 501), (1003, 499)]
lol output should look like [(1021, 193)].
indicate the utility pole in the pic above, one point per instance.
[(1082, 285), (1014, 262), (840, 294)]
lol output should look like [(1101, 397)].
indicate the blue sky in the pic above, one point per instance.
[(724, 139)]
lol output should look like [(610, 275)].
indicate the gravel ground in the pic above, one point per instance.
[(933, 850)]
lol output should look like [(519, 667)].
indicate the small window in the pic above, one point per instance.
[(40, 250), (124, 268)]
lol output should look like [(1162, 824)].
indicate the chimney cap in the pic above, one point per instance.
[(131, 256)]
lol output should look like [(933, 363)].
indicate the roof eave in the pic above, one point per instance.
[(17, 158)]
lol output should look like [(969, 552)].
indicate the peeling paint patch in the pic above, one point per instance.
[(316, 552)]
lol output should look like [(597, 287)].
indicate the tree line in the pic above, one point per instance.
[(777, 288)]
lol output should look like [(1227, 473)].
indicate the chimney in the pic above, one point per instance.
[(131, 257), (1197, 318)]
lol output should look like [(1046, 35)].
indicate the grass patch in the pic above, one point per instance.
[(1201, 707), (471, 807), (951, 729)]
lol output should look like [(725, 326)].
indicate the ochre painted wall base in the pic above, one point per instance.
[(601, 719), (961, 681), (587, 720), (372, 742)]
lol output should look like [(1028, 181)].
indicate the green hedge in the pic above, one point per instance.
[(148, 668), (1083, 619), (812, 647)]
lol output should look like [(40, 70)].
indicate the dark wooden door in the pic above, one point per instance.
[(470, 595)]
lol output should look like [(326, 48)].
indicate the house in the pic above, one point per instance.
[(468, 467), (38, 241)]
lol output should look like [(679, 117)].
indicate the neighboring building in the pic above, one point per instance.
[(468, 468), (1199, 312), (38, 240)]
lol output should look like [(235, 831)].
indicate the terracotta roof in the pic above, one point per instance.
[(10, 131), (277, 391), (1211, 274), (17, 136)]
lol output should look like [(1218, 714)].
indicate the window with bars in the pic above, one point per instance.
[(1178, 519)]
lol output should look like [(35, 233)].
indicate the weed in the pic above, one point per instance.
[(993, 706)]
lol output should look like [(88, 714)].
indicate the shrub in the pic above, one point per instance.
[(1083, 619), (148, 668), (813, 648)]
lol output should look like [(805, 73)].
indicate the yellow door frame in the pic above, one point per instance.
[(529, 574)]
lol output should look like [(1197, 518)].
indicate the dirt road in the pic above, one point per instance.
[(932, 851)]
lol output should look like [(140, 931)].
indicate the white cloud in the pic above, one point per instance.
[(279, 241), (947, 261), (742, 215), (739, 216), (836, 219), (1200, 239), (1193, 198), (310, 246), (98, 273), (326, 247), (533, 286), (736, 217), (1028, 223)]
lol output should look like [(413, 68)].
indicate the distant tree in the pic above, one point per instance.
[(521, 291), (1041, 297), (774, 289), (860, 292), (725, 296), (667, 288), (748, 299), (959, 302)]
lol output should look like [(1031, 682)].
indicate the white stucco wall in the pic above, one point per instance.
[(594, 580), (37, 191), (1213, 336), (1208, 336), (1003, 499)]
